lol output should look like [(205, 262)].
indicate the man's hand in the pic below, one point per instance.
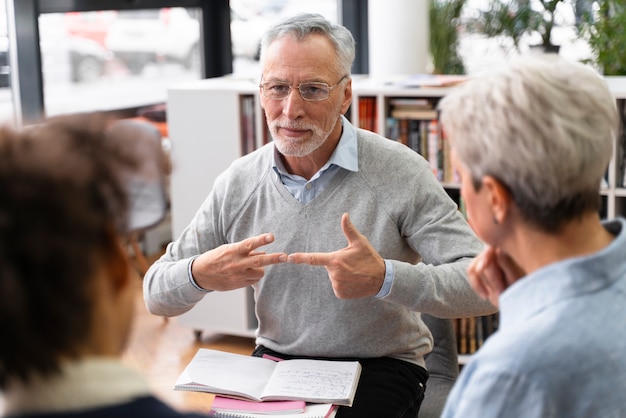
[(355, 271), (492, 272), (232, 266)]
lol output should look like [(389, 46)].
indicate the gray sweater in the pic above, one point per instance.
[(393, 199)]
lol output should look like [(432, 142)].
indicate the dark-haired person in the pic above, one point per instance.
[(71, 188)]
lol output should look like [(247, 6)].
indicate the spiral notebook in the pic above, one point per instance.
[(318, 410)]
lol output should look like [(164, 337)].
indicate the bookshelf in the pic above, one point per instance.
[(212, 122)]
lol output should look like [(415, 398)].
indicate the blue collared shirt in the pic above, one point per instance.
[(559, 350), (344, 157)]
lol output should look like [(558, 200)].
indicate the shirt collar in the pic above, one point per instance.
[(565, 279), (344, 156)]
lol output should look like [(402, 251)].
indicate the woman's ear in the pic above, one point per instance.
[(499, 198)]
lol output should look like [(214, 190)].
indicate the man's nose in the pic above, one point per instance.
[(293, 104)]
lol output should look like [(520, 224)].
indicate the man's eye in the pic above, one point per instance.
[(312, 90), (279, 88)]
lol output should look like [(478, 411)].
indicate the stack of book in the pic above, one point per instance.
[(223, 407), (263, 386)]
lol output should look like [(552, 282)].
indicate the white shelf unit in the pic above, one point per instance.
[(205, 128)]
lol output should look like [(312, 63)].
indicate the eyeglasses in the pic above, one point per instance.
[(311, 91)]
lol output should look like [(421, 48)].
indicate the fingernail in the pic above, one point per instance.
[(282, 258)]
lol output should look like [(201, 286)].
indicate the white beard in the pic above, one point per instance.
[(298, 147)]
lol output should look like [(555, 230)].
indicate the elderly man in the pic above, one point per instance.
[(358, 236)]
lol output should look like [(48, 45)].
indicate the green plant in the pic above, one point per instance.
[(510, 19), (516, 18), (444, 39), (605, 31), (546, 23)]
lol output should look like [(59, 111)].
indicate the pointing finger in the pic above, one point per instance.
[(313, 259)]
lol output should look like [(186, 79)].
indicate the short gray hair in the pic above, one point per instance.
[(303, 25), (543, 126)]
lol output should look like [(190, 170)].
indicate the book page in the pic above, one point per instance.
[(314, 380), (230, 373)]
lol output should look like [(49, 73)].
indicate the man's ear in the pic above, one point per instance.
[(347, 98), (499, 197)]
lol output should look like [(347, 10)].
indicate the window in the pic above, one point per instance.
[(111, 60), (113, 55)]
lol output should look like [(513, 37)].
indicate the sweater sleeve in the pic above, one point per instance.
[(432, 226), (167, 286), (438, 285)]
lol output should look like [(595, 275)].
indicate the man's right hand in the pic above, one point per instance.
[(233, 266)]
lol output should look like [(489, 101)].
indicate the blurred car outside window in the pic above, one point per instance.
[(110, 60)]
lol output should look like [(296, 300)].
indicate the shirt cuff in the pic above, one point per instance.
[(385, 289), (190, 276)]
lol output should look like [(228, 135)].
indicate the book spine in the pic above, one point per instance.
[(433, 147)]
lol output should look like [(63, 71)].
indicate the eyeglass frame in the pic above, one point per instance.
[(318, 83)]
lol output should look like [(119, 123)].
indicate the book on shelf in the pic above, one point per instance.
[(435, 156), (621, 147), (260, 379), (433, 80), (414, 113), (413, 108), (367, 113), (311, 410), (248, 136), (411, 102), (472, 332)]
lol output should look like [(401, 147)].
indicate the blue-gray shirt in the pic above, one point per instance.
[(560, 350)]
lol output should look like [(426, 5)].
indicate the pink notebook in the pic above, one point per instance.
[(223, 404)]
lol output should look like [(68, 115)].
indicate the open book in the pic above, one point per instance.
[(260, 379)]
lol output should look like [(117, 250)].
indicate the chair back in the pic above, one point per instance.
[(442, 364)]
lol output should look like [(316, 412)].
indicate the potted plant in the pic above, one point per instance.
[(516, 18), (444, 38), (605, 31)]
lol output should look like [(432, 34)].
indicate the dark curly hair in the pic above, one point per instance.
[(63, 204)]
